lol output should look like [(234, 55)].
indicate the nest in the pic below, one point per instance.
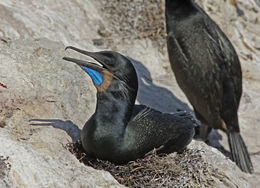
[(187, 169)]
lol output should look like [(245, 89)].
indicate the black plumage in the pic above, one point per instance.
[(119, 130), (207, 69)]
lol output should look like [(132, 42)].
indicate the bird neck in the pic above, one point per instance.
[(176, 10), (173, 4), (115, 106)]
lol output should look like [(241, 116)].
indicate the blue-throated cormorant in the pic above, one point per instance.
[(119, 130), (208, 71)]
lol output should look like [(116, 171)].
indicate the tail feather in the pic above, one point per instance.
[(239, 152)]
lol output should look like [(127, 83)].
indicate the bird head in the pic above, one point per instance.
[(113, 69)]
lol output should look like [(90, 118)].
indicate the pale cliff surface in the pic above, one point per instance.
[(40, 85)]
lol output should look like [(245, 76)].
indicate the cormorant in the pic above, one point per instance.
[(207, 69), (119, 130)]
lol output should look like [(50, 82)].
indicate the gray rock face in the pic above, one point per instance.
[(228, 175), (40, 85)]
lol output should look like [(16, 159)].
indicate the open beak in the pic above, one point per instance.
[(98, 57), (83, 64), (94, 70)]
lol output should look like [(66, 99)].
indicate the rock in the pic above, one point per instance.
[(41, 85), (227, 174), (61, 96), (34, 163)]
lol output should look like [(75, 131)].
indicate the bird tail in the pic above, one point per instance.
[(239, 152)]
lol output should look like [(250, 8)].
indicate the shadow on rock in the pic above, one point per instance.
[(68, 126), (153, 95), (213, 140)]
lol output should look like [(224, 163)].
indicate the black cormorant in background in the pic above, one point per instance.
[(119, 130), (208, 71)]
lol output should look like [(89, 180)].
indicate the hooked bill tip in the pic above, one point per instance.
[(65, 58), (69, 59), (79, 50), (69, 47)]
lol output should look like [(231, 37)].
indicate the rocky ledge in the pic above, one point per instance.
[(43, 87)]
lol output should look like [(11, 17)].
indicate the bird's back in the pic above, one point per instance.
[(149, 129), (202, 59)]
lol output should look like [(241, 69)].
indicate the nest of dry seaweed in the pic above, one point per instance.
[(186, 169)]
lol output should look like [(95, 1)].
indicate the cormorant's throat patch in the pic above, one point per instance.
[(107, 81), (96, 77)]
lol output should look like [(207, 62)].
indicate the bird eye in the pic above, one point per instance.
[(107, 61)]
